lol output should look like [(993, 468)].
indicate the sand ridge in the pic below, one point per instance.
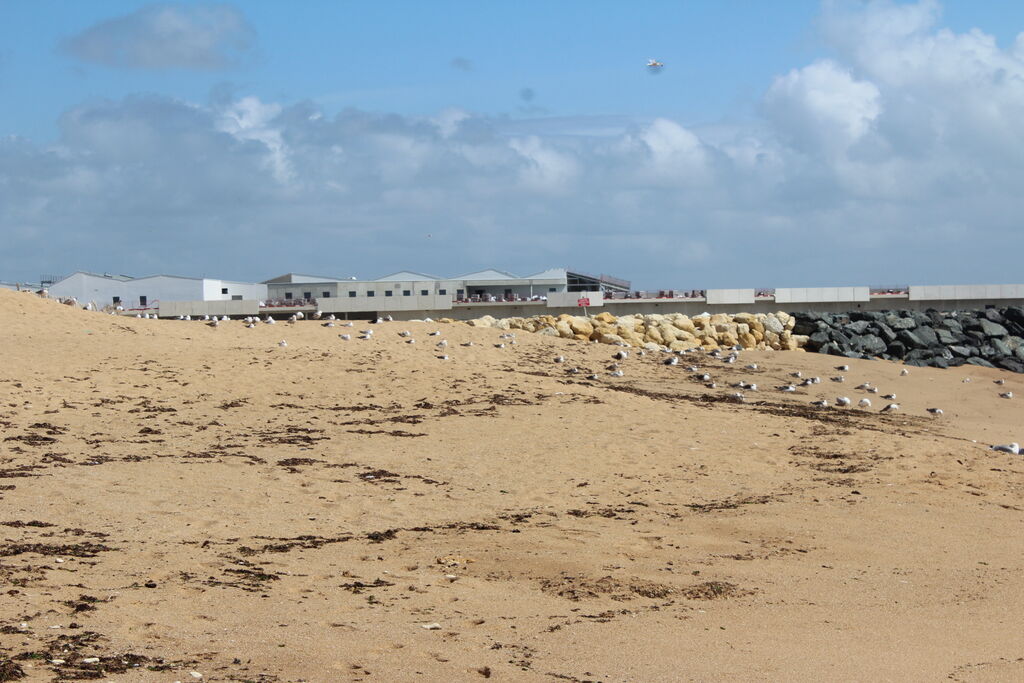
[(177, 497)]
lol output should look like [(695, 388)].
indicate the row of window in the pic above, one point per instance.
[(353, 293)]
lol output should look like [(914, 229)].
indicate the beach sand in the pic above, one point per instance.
[(178, 498)]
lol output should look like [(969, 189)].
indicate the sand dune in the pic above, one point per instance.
[(177, 498)]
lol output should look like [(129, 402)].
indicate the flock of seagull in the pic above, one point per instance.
[(731, 356)]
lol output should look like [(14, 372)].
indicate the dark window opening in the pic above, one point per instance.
[(406, 292), (423, 292), (307, 295), (460, 294), (117, 300), (223, 290), (236, 297), (508, 292), (287, 295), (387, 292), (371, 293), (552, 289), (442, 292), (326, 295), (351, 294), (143, 300)]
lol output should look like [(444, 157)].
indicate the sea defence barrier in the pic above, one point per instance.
[(993, 337)]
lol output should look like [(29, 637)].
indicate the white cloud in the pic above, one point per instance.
[(894, 162), (167, 35)]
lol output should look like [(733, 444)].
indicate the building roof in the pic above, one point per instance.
[(300, 278), (406, 276), (489, 274)]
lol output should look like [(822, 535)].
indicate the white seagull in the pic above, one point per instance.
[(822, 403), (842, 401), (1013, 448), (864, 403), (934, 411), (1008, 394), (891, 408)]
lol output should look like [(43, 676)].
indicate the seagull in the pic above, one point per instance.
[(904, 372), (966, 380), (705, 377), (594, 376), (674, 360), (890, 397), (752, 366), (368, 333), (444, 357), (1000, 382), (620, 355), (499, 346), (347, 324), (872, 390), (327, 324), (346, 337), (405, 333), (842, 401), (693, 368), (332, 317), (641, 353), (807, 382), (820, 403), (751, 387), (796, 374), (469, 343), (270, 321), (282, 343), (435, 333), (863, 387), (574, 371), (815, 380), (934, 411), (292, 319), (441, 344), (1008, 394), (213, 323), (317, 315), (787, 388), (737, 396), (559, 359), (617, 373), (1013, 448), (843, 368), (891, 408), (299, 315), (864, 403), (840, 378), (613, 366)]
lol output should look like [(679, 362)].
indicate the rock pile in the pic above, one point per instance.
[(673, 331), (991, 338)]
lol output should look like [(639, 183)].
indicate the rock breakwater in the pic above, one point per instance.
[(990, 338)]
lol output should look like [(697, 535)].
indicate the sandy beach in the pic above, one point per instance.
[(181, 501)]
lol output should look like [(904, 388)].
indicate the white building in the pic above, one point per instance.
[(147, 292)]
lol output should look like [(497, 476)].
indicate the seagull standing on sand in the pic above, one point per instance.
[(890, 397), (1008, 394), (559, 359), (934, 411), (822, 403), (282, 343), (787, 388), (843, 368), (891, 408), (842, 401), (864, 403), (620, 355), (904, 372), (1013, 448)]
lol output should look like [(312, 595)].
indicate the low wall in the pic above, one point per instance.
[(172, 309)]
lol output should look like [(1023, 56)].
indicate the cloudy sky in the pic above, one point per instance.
[(783, 144)]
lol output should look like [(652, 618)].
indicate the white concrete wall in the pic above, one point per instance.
[(730, 296), (569, 299), (821, 294), (960, 292), (172, 309)]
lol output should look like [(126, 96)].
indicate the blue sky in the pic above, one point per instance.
[(791, 143)]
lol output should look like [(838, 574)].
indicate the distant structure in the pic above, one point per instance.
[(409, 294)]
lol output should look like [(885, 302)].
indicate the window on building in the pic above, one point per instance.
[(287, 295), (423, 292), (442, 292), (371, 293), (460, 294), (117, 300), (223, 290), (552, 289), (236, 297), (351, 294), (326, 295), (387, 292), (406, 292), (143, 300), (508, 292), (307, 295)]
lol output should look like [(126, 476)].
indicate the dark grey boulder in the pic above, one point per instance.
[(858, 327), (992, 329), (1001, 347), (926, 335), (1009, 363), (898, 323), (885, 332), (980, 361), (952, 325), (963, 351), (993, 315), (869, 344), (945, 337), (896, 349), (911, 340)]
